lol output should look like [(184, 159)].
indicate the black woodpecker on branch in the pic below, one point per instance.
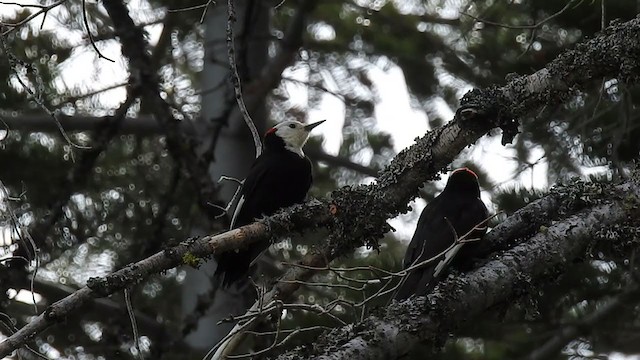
[(450, 215), (279, 177)]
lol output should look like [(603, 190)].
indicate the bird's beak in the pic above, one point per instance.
[(310, 127)]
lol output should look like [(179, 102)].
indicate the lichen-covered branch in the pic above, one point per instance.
[(390, 334), (357, 215), (360, 213), (188, 253)]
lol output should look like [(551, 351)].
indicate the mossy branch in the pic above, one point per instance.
[(391, 333), (357, 215)]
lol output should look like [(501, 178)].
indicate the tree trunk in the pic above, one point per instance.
[(223, 130)]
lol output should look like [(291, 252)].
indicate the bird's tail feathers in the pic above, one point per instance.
[(233, 267)]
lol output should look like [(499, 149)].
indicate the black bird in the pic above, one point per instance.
[(459, 208), (279, 177)]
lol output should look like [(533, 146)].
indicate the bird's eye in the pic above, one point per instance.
[(293, 126)]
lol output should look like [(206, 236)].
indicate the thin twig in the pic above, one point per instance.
[(194, 7), (235, 77), (14, 62), (43, 11), (134, 325), (204, 12), (279, 344), (225, 210), (237, 329), (85, 19)]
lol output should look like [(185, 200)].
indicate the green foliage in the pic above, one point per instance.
[(135, 199)]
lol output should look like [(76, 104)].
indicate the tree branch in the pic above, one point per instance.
[(141, 71), (360, 213), (357, 215), (188, 252), (430, 320), (556, 343), (143, 125)]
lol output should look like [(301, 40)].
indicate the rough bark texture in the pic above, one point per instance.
[(390, 333), (357, 215), (360, 213), (189, 253)]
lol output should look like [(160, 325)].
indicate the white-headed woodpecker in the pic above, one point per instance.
[(280, 177)]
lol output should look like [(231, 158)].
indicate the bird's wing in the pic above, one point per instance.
[(448, 256), (415, 249), (257, 172), (268, 173), (475, 215), (237, 211)]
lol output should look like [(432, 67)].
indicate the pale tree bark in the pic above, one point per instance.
[(226, 145), (357, 215), (362, 211), (457, 300)]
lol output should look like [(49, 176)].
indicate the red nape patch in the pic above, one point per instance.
[(465, 169), (270, 131)]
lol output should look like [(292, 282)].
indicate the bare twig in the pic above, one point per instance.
[(235, 77), (85, 19), (204, 6), (204, 12), (396, 185), (44, 9), (239, 328), (225, 210), (291, 334), (134, 325), (277, 304), (36, 93)]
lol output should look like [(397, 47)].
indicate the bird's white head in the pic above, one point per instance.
[(294, 134)]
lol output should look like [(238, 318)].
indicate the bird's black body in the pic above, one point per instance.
[(277, 179), (460, 204)]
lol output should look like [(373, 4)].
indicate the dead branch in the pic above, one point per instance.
[(235, 77), (43, 11)]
